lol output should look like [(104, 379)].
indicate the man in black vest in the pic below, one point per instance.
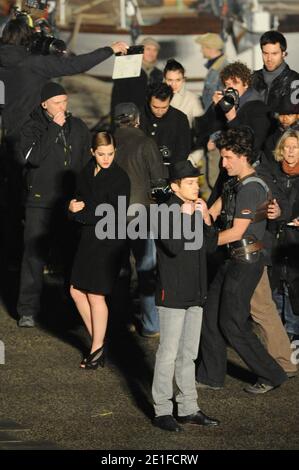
[(227, 316)]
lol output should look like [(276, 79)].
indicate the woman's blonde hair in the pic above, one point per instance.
[(278, 152)]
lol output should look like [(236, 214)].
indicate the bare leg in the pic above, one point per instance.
[(82, 303), (99, 319)]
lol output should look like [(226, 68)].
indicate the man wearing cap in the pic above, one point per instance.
[(54, 146), (180, 295), (133, 89), (139, 156), (212, 49), (287, 115)]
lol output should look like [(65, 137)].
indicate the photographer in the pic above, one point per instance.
[(24, 73), (238, 105)]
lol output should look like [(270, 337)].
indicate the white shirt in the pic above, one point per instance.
[(188, 103)]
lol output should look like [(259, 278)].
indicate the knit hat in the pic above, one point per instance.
[(210, 40), (51, 89)]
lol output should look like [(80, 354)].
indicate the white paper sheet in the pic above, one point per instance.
[(127, 66)]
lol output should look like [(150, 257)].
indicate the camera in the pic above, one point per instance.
[(37, 4), (230, 99), (46, 44), (166, 154), (42, 41), (160, 191)]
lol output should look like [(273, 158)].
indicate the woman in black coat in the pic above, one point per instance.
[(285, 271), (98, 258)]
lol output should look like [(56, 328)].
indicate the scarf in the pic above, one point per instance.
[(290, 170)]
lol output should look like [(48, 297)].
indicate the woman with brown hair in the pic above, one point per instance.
[(97, 261)]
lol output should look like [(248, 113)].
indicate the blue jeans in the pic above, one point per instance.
[(179, 340), (291, 321), (144, 252)]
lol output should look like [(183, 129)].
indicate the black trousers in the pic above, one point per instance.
[(227, 319), (41, 226)]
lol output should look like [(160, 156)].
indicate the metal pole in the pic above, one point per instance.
[(62, 12), (122, 10)]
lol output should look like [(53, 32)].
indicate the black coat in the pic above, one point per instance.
[(133, 90), (285, 254), (281, 86), (139, 156), (52, 160), (24, 75), (182, 274), (172, 130), (97, 262)]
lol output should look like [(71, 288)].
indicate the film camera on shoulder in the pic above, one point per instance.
[(42, 41)]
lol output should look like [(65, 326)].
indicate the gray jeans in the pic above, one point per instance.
[(179, 340)]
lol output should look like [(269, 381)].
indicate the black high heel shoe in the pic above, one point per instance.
[(95, 359)]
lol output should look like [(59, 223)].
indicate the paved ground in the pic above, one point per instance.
[(47, 402)]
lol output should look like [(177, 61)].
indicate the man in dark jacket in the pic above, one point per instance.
[(139, 156), (180, 294), (24, 73), (275, 79), (168, 126), (54, 147)]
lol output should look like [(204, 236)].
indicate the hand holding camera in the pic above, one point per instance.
[(229, 99)]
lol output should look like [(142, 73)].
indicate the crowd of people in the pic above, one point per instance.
[(243, 132)]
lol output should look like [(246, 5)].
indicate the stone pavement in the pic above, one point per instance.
[(47, 402)]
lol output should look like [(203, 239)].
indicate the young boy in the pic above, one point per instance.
[(181, 292)]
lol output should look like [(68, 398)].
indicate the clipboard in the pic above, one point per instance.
[(129, 65)]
